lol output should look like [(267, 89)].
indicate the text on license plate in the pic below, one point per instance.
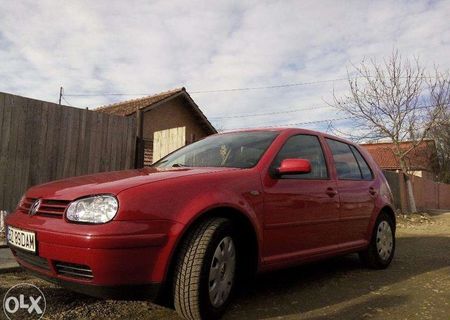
[(25, 240)]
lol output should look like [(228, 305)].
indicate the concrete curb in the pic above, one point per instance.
[(11, 269)]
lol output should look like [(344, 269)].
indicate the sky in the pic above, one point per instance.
[(136, 48)]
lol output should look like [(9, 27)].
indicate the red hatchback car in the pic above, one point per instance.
[(206, 217)]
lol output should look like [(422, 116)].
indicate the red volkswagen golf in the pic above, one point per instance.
[(206, 217)]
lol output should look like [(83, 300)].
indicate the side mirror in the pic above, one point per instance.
[(294, 166)]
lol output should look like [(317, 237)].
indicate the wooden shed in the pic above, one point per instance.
[(165, 122)]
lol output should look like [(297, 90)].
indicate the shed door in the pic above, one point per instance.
[(166, 141)]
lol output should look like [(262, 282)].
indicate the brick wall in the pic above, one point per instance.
[(444, 196), (427, 193)]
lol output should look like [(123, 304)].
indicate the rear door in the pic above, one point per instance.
[(301, 212), (356, 191)]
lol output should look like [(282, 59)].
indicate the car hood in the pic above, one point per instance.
[(111, 182)]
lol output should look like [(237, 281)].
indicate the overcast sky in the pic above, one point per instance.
[(145, 47)]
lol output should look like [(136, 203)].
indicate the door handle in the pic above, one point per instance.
[(331, 192), (372, 191)]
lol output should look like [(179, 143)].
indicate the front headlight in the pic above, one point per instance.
[(96, 209)]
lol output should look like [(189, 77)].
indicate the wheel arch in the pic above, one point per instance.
[(387, 209), (391, 213), (245, 229)]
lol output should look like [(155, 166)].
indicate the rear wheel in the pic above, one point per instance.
[(205, 271), (380, 251)]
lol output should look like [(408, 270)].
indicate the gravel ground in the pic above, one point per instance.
[(415, 286)]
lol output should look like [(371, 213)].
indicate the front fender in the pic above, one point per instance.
[(247, 204), (183, 201)]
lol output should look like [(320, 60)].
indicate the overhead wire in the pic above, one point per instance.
[(328, 121), (268, 113), (286, 85)]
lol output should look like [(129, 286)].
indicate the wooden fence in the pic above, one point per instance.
[(42, 141)]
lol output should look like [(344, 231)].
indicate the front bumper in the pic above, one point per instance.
[(100, 260), (143, 291)]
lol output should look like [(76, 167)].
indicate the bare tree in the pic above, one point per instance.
[(441, 135), (396, 100)]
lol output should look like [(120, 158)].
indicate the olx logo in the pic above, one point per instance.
[(24, 301)]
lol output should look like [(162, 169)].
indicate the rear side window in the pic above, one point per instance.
[(363, 166), (347, 167), (304, 147)]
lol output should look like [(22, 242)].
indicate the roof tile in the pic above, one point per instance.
[(421, 158), (128, 107)]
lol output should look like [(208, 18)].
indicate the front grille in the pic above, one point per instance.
[(33, 260), (48, 207), (73, 270)]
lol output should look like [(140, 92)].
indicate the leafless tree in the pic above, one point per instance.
[(395, 100), (441, 135)]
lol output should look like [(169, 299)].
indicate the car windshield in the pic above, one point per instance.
[(233, 150)]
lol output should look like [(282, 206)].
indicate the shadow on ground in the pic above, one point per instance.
[(338, 288), (339, 280)]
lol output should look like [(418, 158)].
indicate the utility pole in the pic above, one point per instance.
[(60, 94)]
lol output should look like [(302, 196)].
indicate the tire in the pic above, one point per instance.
[(204, 278), (381, 249)]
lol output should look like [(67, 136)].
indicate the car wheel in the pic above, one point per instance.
[(205, 270), (381, 249)]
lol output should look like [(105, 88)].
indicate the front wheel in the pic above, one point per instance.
[(380, 251), (205, 270)]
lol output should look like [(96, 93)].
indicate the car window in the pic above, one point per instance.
[(346, 165), (303, 147), (363, 166), (232, 150)]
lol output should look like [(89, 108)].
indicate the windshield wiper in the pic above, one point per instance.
[(178, 165)]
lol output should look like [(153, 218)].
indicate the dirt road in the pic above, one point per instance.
[(416, 286)]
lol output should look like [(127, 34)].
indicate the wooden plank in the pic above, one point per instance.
[(4, 164), (96, 152), (85, 138), (93, 116), (113, 160), (41, 162), (10, 152), (62, 137), (120, 137), (131, 143), (2, 108), (76, 114), (21, 160), (126, 126), (70, 140), (119, 141), (109, 145), (29, 114), (49, 153), (105, 143), (123, 142), (4, 127), (58, 142)]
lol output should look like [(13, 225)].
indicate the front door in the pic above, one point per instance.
[(301, 212)]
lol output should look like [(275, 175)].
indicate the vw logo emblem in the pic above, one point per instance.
[(35, 207)]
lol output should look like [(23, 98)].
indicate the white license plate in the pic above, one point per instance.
[(22, 239)]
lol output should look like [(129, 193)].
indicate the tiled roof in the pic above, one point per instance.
[(421, 158), (128, 107)]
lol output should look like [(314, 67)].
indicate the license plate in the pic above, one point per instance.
[(22, 239)]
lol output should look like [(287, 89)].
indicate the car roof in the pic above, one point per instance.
[(289, 131)]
